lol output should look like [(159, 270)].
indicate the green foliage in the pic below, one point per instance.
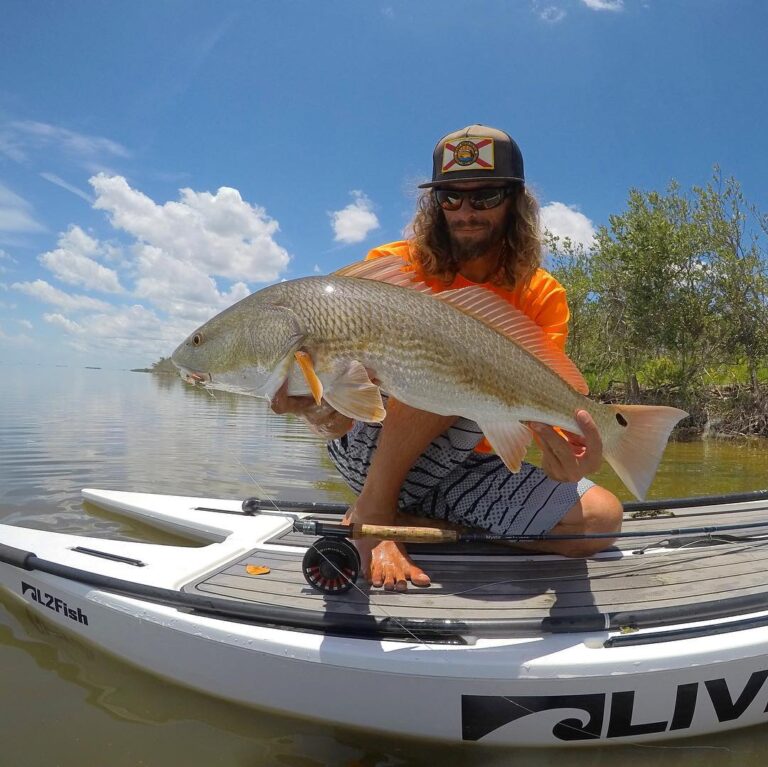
[(164, 366), (673, 287)]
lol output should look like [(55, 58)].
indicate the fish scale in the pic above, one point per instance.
[(421, 349)]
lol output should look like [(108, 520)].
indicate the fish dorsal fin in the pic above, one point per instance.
[(498, 314), (482, 304), (388, 269)]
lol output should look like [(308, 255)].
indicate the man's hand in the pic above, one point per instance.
[(322, 419), (569, 457)]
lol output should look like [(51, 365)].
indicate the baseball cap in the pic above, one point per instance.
[(476, 153)]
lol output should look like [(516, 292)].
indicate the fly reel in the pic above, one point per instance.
[(331, 565)]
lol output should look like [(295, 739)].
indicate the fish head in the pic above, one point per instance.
[(248, 348)]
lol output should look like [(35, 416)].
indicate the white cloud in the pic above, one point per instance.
[(353, 223), (604, 5), (182, 262), (23, 134), (25, 324), (5, 257), (133, 330), (19, 340), (73, 263), (58, 181), (552, 14), (567, 221), (46, 292), (181, 289), (16, 213), (220, 233), (64, 322)]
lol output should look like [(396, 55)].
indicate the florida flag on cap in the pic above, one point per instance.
[(474, 153)]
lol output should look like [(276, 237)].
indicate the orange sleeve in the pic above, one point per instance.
[(545, 302), (399, 248)]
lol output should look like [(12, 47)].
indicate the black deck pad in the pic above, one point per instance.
[(706, 577)]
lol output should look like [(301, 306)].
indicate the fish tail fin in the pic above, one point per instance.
[(636, 453)]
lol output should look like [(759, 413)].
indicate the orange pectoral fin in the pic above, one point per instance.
[(510, 441), (355, 396), (308, 369)]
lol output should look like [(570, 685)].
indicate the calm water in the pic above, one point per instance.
[(66, 704)]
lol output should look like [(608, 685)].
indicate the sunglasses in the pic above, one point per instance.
[(479, 199)]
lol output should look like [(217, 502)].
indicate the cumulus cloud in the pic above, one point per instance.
[(181, 289), (64, 322), (73, 262), (353, 223), (179, 263), (604, 5), (564, 221), (16, 213), (134, 330), (220, 233), (44, 291)]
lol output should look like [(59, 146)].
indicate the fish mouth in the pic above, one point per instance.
[(195, 376)]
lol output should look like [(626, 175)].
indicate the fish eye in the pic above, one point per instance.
[(197, 339), (620, 418)]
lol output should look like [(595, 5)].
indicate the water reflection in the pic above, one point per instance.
[(147, 433), (65, 704)]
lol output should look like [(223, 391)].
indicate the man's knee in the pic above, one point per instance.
[(599, 513)]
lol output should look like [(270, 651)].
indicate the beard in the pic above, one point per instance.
[(474, 244)]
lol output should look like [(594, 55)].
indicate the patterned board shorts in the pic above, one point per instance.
[(453, 482)]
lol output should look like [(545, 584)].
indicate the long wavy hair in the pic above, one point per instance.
[(519, 256)]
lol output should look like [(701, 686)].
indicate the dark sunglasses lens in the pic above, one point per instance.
[(485, 199), (479, 199), (448, 200)]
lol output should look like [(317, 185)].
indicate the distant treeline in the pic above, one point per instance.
[(671, 302), (164, 366)]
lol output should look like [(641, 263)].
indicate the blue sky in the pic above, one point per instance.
[(160, 160)]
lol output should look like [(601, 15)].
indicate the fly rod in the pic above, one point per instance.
[(332, 563)]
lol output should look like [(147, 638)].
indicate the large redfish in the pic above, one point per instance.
[(463, 352)]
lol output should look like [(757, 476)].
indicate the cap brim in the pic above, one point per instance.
[(445, 181)]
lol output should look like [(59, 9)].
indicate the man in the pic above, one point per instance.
[(476, 223)]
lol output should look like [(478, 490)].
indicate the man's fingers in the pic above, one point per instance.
[(592, 456), (278, 401), (550, 440), (589, 428)]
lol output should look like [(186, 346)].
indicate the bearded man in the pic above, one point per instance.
[(476, 224)]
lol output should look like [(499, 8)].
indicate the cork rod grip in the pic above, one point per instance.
[(405, 534)]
